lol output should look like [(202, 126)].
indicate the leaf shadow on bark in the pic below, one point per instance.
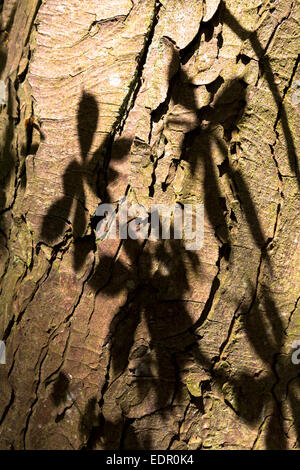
[(159, 296), (76, 175), (266, 70), (147, 300)]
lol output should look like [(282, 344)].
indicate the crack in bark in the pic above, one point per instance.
[(134, 88), (227, 339), (260, 429), (176, 436), (41, 361), (276, 28), (291, 315), (8, 406)]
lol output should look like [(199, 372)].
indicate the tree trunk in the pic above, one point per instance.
[(145, 344)]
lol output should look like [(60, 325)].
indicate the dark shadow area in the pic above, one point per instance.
[(30, 148), (60, 389), (255, 398), (7, 151), (159, 276), (7, 166), (75, 175), (4, 34)]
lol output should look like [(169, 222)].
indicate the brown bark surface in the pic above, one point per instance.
[(123, 344)]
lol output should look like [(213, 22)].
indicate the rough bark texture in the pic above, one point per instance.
[(119, 344)]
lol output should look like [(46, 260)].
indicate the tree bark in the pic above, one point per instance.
[(132, 344)]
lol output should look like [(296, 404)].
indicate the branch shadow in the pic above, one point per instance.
[(265, 66)]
